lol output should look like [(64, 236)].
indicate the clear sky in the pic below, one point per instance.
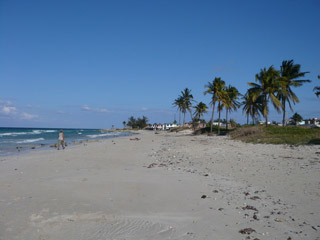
[(93, 64)]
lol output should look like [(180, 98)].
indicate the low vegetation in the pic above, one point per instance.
[(215, 130), (138, 123), (179, 129), (277, 135)]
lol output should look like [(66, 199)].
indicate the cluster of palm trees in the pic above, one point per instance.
[(184, 104), (275, 86), (271, 85), (226, 96)]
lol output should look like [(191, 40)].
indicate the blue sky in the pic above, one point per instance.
[(95, 63)]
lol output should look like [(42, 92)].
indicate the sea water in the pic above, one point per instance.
[(17, 140)]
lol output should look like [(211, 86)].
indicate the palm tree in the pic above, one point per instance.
[(267, 86), (215, 89), (187, 100), (252, 106), (289, 73), (247, 106), (220, 99), (230, 101), (296, 118), (317, 89), (124, 124), (200, 109), (178, 102)]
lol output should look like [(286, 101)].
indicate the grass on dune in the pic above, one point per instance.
[(292, 135), (206, 130)]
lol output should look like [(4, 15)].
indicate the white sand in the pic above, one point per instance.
[(105, 190)]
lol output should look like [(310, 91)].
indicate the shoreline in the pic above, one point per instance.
[(162, 186), (21, 148)]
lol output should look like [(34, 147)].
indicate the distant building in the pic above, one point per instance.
[(301, 123), (188, 125), (312, 122), (199, 125), (166, 126), (217, 124), (264, 122)]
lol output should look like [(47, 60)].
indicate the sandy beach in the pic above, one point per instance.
[(162, 186)]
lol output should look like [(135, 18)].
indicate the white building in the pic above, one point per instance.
[(315, 122), (264, 122), (168, 126)]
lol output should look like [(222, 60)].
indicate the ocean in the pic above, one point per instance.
[(18, 140)]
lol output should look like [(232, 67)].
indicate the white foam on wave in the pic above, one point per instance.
[(50, 131), (31, 140), (104, 135), (13, 134), (36, 132), (42, 131)]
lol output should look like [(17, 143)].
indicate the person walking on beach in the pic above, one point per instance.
[(61, 139)]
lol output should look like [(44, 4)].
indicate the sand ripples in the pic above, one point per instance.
[(100, 226)]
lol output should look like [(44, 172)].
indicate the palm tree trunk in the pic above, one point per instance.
[(191, 115), (227, 118), (191, 119), (247, 119), (219, 118), (284, 113), (266, 112), (184, 118), (266, 120), (213, 106), (179, 118)]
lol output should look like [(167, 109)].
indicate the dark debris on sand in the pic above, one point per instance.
[(255, 198), (248, 207), (247, 231)]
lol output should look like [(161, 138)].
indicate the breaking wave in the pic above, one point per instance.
[(31, 140), (104, 135), (34, 132)]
